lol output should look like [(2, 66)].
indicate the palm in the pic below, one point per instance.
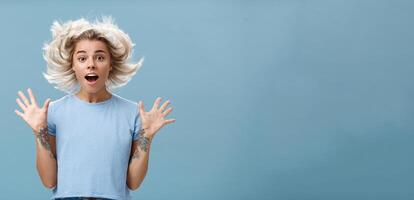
[(33, 115), (154, 120)]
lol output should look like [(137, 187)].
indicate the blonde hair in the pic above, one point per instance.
[(59, 52)]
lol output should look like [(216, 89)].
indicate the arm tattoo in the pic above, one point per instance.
[(144, 142), (143, 145), (135, 155), (43, 138)]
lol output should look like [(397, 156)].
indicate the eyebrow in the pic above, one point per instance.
[(97, 51)]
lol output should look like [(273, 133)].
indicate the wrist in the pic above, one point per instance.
[(144, 132), (39, 127), (149, 137)]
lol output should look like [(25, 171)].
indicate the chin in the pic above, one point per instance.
[(92, 89)]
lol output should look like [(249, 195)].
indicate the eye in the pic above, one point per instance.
[(100, 58), (82, 59)]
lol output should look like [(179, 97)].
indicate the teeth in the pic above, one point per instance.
[(91, 77)]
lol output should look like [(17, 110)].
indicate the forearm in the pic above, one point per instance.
[(46, 163), (138, 165)]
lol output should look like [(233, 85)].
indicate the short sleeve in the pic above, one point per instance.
[(51, 126), (137, 125)]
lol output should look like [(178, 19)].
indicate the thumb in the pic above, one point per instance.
[(46, 104), (141, 107)]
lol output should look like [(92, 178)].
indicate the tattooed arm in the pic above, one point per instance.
[(151, 123), (36, 118), (46, 163), (138, 164)]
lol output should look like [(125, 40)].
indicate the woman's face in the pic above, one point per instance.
[(91, 62)]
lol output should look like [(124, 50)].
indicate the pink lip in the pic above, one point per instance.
[(91, 82)]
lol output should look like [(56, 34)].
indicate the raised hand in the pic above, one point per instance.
[(154, 120), (33, 115)]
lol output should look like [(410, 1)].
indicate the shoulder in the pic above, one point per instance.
[(125, 105), (124, 102), (56, 104)]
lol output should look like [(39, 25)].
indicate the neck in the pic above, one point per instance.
[(94, 97)]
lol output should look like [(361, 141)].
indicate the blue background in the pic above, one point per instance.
[(273, 99)]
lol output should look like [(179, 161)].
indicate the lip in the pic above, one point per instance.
[(91, 82), (91, 74)]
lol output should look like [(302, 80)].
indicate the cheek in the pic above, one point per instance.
[(75, 66), (106, 67), (107, 72), (76, 70)]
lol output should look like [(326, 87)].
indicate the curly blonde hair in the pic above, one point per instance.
[(59, 52)]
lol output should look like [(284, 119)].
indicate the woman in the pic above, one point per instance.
[(91, 143)]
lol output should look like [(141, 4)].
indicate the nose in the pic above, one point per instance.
[(91, 65)]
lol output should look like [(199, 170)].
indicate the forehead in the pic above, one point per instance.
[(91, 46)]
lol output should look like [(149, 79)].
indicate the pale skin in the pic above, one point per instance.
[(91, 56)]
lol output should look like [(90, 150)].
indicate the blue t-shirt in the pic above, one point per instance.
[(93, 146)]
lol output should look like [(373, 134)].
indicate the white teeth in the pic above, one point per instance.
[(91, 77)]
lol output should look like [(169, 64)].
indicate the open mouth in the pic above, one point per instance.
[(91, 77)]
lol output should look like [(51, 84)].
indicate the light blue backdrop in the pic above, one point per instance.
[(273, 99)]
